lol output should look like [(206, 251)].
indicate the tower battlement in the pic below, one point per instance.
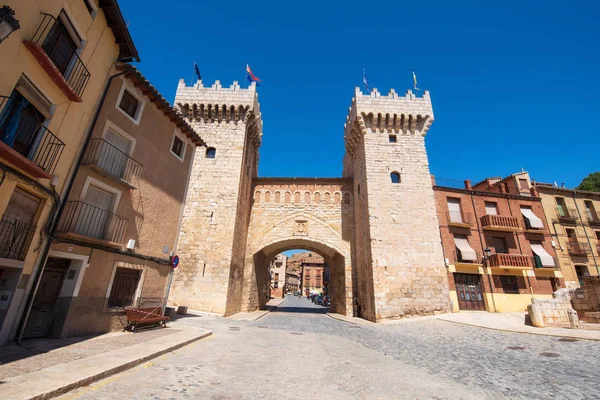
[(217, 104), (406, 114)]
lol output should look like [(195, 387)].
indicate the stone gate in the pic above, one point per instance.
[(376, 226)]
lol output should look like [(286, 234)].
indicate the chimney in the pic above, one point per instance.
[(562, 185), (468, 184), (534, 191), (502, 188)]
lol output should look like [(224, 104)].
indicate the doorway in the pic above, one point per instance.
[(43, 307), (468, 290)]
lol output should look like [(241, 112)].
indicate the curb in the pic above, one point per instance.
[(515, 331), (48, 394), (271, 308)]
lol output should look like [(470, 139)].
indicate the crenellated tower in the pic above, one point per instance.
[(214, 229), (397, 247)]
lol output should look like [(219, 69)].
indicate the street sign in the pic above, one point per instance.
[(175, 262)]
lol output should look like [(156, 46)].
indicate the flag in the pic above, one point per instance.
[(250, 76), (415, 80), (197, 71), (366, 81)]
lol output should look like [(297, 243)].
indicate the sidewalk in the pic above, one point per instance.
[(515, 322), (254, 315), (45, 368)]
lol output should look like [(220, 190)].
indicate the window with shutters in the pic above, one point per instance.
[(124, 288), (130, 104)]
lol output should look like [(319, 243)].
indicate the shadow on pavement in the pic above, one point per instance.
[(301, 310)]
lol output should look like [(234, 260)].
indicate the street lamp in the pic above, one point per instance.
[(487, 252), (8, 22)]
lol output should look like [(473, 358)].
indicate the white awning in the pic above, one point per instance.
[(534, 221), (547, 259), (466, 251)]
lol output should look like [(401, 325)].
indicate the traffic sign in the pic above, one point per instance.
[(175, 261)]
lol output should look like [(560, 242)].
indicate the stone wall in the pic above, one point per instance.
[(587, 298), (552, 311), (385, 134)]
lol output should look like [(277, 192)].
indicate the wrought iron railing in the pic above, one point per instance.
[(24, 131), (112, 160), (87, 220), (578, 248), (449, 183), (566, 214), (459, 218), (509, 260), (15, 238), (56, 42), (537, 262), (502, 221)]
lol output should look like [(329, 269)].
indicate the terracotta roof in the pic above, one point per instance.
[(116, 22), (550, 187), (139, 81)]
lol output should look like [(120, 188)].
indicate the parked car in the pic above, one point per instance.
[(320, 299), (296, 293)]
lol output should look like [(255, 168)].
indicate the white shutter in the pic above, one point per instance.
[(491, 208), (454, 210)]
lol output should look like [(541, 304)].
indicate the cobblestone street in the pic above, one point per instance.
[(297, 351)]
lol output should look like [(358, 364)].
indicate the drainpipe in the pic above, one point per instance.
[(481, 241), (53, 224), (585, 232)]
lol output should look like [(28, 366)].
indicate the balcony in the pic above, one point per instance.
[(508, 261), (459, 219), (500, 223), (53, 47), (26, 142), (15, 238), (112, 162), (578, 248), (567, 215), (85, 221)]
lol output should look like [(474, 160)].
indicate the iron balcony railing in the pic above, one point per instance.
[(24, 132), (578, 248), (509, 260), (87, 220), (112, 160), (56, 41), (566, 214), (459, 218), (15, 238), (499, 221)]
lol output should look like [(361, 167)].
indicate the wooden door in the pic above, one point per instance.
[(468, 290), (42, 310)]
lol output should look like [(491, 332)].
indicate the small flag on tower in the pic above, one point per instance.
[(197, 71), (250, 76), (366, 81), (415, 80)]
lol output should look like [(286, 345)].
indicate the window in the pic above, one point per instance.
[(523, 184), (393, 138), (61, 44), (276, 276), (571, 234), (454, 212), (129, 104), (395, 176), (17, 224), (561, 207), (509, 284), (114, 153), (275, 284), (499, 244), (582, 272), (124, 288), (491, 208), (211, 152), (590, 211), (177, 147), (531, 220), (20, 123), (95, 212)]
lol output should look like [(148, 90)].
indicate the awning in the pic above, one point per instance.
[(534, 221), (547, 259), (466, 251)]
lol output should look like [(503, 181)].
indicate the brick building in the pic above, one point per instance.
[(497, 247), (292, 283), (278, 277), (572, 216)]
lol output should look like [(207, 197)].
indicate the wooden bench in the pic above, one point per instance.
[(138, 317)]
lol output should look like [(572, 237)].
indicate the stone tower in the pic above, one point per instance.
[(214, 229), (398, 254)]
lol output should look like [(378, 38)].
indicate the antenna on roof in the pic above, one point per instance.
[(522, 169)]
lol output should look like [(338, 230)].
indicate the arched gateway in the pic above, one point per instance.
[(376, 226)]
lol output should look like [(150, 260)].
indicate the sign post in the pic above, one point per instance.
[(174, 264)]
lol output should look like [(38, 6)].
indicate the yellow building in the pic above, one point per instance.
[(574, 223), (55, 68)]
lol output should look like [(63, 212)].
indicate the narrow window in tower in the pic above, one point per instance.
[(393, 138), (395, 176), (211, 152)]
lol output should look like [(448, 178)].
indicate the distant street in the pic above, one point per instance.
[(299, 352)]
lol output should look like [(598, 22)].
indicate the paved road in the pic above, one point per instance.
[(297, 351)]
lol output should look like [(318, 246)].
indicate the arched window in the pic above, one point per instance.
[(211, 152), (395, 177)]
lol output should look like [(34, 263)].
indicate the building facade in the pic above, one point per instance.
[(573, 218), (60, 59), (121, 220), (278, 276), (292, 283), (497, 246)]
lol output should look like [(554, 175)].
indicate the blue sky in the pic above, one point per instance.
[(514, 84)]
